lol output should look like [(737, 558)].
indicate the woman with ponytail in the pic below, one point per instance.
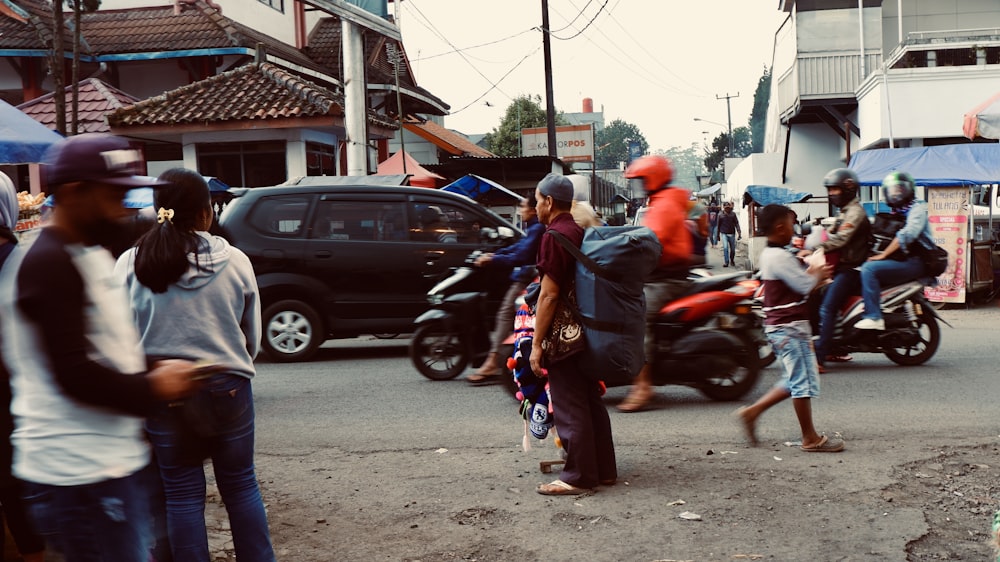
[(195, 297)]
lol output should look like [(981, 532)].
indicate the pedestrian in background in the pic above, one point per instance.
[(78, 375), (178, 273), (580, 416), (786, 322), (713, 221), (521, 256), (729, 229), (29, 544)]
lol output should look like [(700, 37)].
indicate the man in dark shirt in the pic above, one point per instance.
[(729, 228), (580, 416)]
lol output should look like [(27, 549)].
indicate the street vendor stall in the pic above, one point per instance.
[(757, 196), (958, 182)]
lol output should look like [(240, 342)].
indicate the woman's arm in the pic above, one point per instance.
[(916, 221)]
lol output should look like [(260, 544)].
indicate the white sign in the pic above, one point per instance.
[(574, 143)]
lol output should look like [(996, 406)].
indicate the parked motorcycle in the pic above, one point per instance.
[(455, 331), (911, 336), (708, 338)]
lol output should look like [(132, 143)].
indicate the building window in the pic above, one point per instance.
[(244, 164), (276, 4), (321, 159)]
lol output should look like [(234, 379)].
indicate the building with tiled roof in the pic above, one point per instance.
[(97, 100), (450, 142), (274, 123)]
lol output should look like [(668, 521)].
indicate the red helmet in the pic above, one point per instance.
[(656, 172)]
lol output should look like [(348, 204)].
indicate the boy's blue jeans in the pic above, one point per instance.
[(108, 521), (230, 400)]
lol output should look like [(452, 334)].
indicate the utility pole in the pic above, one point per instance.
[(729, 119), (550, 105)]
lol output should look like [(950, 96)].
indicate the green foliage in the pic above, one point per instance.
[(742, 147), (687, 165), (611, 143), (524, 112), (758, 117)]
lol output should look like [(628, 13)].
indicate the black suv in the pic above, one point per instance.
[(338, 261)]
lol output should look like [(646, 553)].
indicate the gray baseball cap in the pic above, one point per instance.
[(557, 187)]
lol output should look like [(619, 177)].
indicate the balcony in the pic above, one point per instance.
[(833, 76)]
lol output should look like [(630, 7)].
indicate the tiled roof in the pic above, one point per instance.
[(253, 92), (450, 141), (97, 99), (33, 33)]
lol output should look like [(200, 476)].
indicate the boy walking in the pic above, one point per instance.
[(786, 288)]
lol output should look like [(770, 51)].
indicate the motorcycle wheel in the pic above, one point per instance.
[(437, 353), (930, 337), (733, 385)]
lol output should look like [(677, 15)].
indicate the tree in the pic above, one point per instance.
[(57, 60), (742, 147), (758, 117), (687, 165), (524, 112), (611, 143)]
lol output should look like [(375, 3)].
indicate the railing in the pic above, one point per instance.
[(822, 75)]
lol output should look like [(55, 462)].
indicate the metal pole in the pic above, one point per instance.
[(356, 110), (550, 106), (861, 26)]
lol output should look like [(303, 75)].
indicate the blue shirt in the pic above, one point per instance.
[(522, 253), (917, 228)]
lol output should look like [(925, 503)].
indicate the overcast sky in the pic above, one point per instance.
[(655, 63)]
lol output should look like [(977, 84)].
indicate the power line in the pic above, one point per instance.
[(577, 34), (476, 46), (576, 17), (498, 81)]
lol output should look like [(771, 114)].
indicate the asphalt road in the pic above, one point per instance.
[(384, 437)]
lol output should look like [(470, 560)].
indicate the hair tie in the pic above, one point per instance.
[(165, 215)]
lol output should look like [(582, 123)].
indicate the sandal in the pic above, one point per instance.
[(631, 404), (825, 445), (839, 358), (483, 378), (560, 488)]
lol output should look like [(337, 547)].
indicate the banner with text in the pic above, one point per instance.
[(574, 143), (948, 211)]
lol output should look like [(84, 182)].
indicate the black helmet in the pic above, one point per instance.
[(846, 180), (897, 189)]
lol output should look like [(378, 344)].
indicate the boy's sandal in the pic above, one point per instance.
[(632, 404), (560, 488), (825, 445)]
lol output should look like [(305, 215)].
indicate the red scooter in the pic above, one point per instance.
[(708, 338)]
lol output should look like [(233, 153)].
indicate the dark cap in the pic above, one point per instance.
[(97, 157), (557, 187)]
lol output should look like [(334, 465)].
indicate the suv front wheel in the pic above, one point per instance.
[(292, 331)]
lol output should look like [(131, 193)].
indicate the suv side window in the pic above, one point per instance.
[(442, 222), (368, 221), (281, 216)]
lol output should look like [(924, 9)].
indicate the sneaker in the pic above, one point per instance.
[(870, 324), (725, 265)]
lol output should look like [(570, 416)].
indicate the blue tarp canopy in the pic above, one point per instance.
[(951, 164), (22, 139), (474, 187), (709, 190), (767, 195)]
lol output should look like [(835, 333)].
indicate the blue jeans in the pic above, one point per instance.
[(226, 404), (875, 274), (845, 284), (108, 521), (729, 249), (713, 234)]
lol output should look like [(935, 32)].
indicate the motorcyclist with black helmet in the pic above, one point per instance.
[(848, 244), (890, 267), (666, 216)]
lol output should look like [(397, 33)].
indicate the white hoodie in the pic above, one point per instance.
[(210, 314)]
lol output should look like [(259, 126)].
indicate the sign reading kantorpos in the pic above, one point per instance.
[(574, 143)]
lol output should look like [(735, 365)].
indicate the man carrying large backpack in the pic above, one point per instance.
[(668, 211)]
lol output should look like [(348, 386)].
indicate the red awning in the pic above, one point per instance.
[(419, 176)]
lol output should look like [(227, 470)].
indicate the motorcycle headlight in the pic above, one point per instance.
[(435, 299)]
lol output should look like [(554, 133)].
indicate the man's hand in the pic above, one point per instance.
[(483, 260), (877, 257), (804, 253), (173, 379)]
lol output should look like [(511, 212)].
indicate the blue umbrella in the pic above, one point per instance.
[(22, 139), (474, 187)]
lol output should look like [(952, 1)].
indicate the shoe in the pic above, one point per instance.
[(631, 404), (870, 324), (560, 488), (821, 369), (725, 265), (839, 358), (825, 445)]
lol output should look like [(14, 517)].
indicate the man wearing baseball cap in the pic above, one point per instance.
[(580, 416), (80, 381)]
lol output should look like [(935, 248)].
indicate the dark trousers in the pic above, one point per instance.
[(583, 425), (845, 284)]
